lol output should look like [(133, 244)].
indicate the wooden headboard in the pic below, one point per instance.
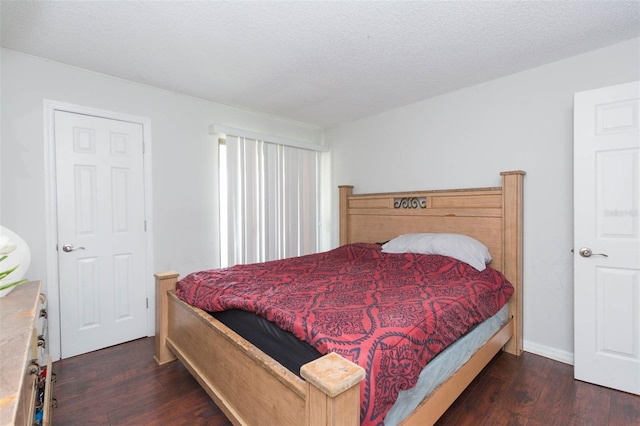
[(490, 215)]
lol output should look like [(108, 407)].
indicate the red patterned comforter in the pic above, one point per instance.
[(389, 313)]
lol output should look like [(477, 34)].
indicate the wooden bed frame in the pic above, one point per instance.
[(253, 389)]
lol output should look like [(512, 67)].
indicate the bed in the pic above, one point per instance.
[(252, 388)]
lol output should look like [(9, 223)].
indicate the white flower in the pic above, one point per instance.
[(6, 245)]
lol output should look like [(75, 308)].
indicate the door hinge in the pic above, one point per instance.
[(145, 225), (147, 303), (143, 147)]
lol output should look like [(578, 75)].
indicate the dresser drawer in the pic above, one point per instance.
[(27, 399), (26, 388)]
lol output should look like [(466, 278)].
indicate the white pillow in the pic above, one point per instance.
[(458, 246)]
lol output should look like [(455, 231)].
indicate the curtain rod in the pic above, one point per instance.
[(217, 128)]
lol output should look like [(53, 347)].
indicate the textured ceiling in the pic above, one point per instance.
[(322, 63)]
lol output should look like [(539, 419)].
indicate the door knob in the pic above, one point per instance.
[(68, 247), (586, 252)]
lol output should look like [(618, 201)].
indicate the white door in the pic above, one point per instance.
[(101, 231), (607, 237)]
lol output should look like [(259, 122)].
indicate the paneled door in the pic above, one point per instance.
[(607, 237), (101, 231)]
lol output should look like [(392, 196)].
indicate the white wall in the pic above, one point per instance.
[(184, 156), (465, 138), (461, 139)]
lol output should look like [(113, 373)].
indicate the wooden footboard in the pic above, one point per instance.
[(249, 386)]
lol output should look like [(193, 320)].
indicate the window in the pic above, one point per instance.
[(268, 200)]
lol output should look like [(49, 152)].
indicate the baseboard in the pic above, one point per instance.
[(548, 352)]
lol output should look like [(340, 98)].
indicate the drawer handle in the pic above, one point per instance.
[(34, 367)]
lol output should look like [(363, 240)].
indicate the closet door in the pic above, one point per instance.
[(101, 231)]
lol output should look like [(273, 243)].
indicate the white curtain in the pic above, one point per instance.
[(272, 200)]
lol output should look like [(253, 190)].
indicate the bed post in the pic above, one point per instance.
[(345, 192), (165, 281), (512, 206), (332, 391)]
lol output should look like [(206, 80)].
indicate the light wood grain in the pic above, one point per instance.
[(165, 282), (333, 391), (344, 191), (248, 386), (18, 347), (512, 206), (48, 394)]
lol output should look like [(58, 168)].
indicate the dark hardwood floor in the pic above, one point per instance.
[(122, 385)]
